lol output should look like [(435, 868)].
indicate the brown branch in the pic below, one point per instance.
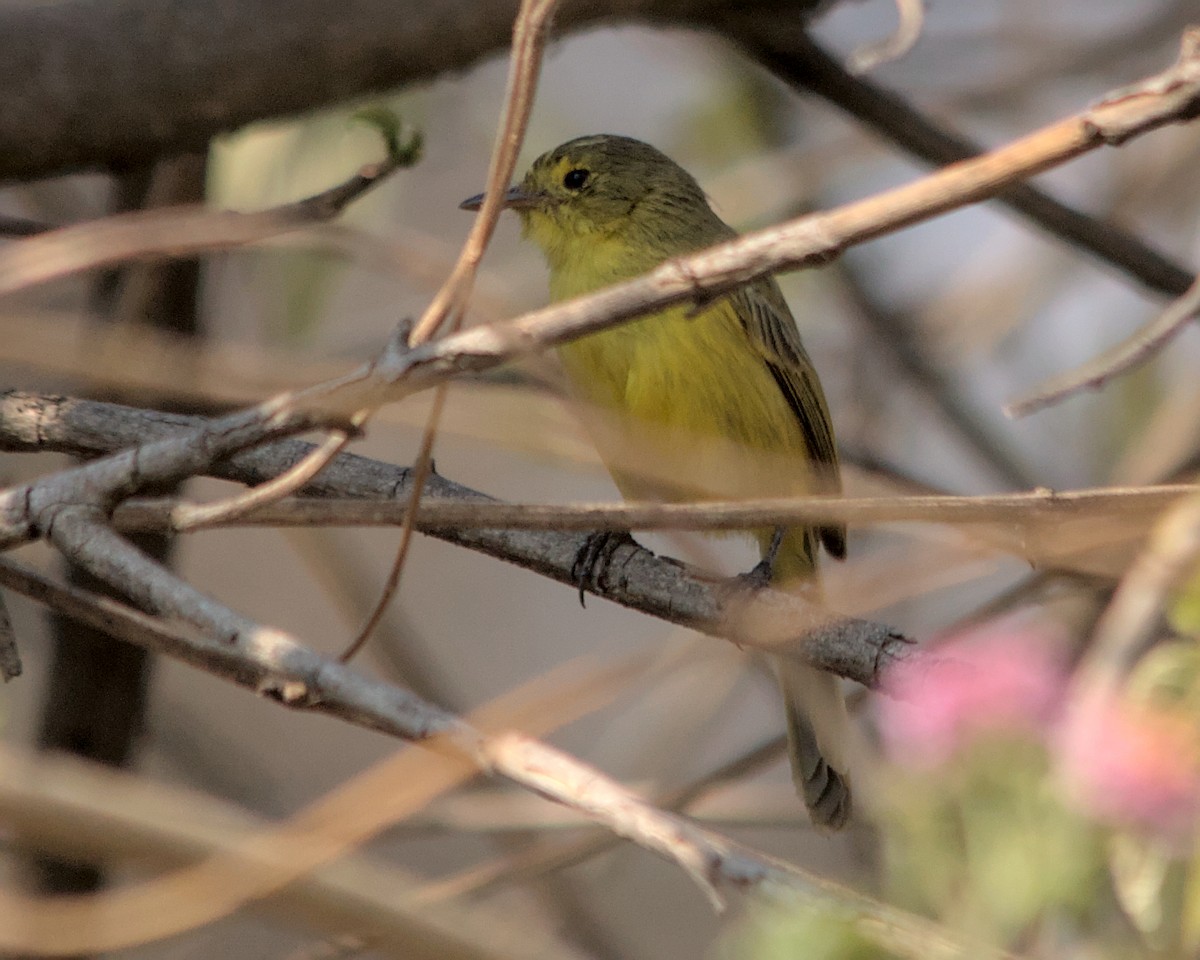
[(72, 808), (177, 231), (1037, 507), (1170, 97), (857, 649), (270, 661)]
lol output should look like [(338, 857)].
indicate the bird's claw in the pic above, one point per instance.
[(594, 559)]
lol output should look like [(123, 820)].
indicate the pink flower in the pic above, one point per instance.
[(993, 681), (1133, 765)]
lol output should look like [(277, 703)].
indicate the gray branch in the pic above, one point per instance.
[(858, 649), (112, 82)]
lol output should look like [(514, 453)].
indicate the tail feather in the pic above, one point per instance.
[(817, 728)]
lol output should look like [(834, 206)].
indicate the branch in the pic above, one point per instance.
[(1170, 97), (110, 82), (857, 649), (182, 230), (77, 809), (270, 661), (1036, 507), (789, 53), (30, 510), (1138, 348)]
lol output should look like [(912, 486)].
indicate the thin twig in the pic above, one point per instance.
[(529, 41), (908, 31), (191, 516), (446, 310), (420, 474), (178, 231), (1034, 508), (1129, 353)]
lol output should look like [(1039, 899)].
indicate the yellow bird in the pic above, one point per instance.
[(719, 401)]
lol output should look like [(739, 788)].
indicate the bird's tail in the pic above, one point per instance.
[(818, 727), (817, 730)]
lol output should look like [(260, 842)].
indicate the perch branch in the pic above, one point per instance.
[(857, 649)]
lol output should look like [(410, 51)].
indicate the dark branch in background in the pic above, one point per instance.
[(102, 83), (97, 692), (907, 348), (789, 53), (206, 66), (857, 649)]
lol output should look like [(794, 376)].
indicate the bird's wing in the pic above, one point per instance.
[(768, 322)]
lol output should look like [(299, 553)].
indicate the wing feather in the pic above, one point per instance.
[(768, 322)]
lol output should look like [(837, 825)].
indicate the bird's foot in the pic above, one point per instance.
[(594, 559), (759, 576)]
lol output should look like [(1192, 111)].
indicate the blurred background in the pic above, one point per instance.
[(991, 305)]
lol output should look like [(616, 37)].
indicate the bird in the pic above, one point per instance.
[(713, 400)]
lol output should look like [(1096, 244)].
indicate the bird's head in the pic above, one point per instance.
[(607, 187)]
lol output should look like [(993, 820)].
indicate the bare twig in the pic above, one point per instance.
[(420, 475), (1129, 353), (190, 516), (529, 40), (1035, 508), (908, 31), (446, 309), (180, 231)]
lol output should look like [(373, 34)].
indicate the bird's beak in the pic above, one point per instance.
[(516, 198)]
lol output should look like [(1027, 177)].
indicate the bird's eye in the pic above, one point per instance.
[(575, 179)]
